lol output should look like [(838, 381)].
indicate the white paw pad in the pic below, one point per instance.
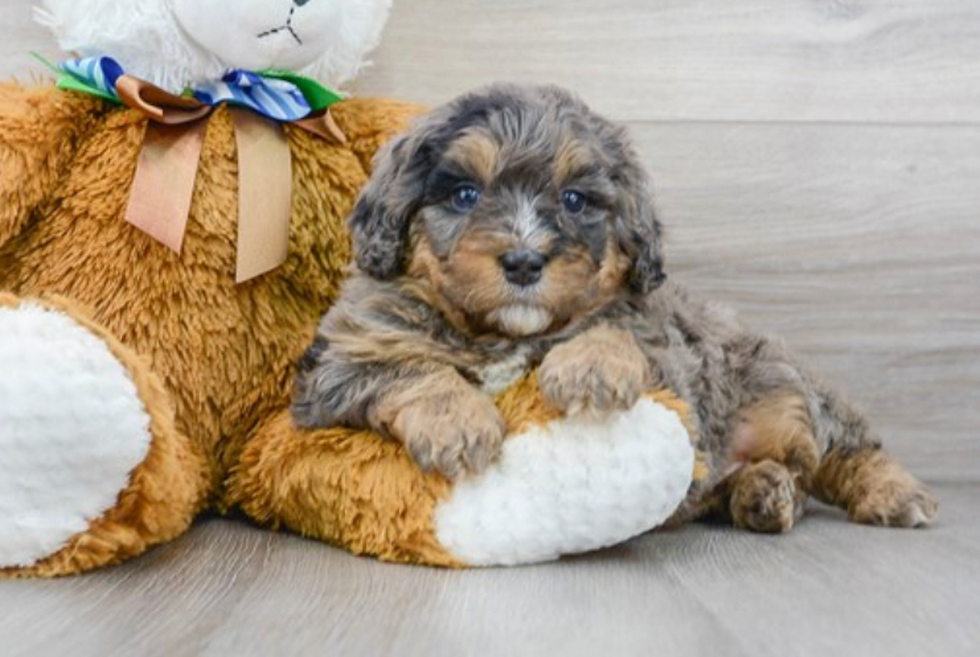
[(72, 428)]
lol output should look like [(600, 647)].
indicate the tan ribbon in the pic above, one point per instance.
[(265, 192), (163, 185), (160, 200)]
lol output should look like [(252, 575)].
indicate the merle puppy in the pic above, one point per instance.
[(514, 228)]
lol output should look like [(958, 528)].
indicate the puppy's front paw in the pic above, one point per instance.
[(453, 431), (603, 369)]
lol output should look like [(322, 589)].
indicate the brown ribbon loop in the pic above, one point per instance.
[(163, 186), (161, 106)]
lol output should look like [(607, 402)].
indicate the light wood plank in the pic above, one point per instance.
[(769, 60), (828, 588), (859, 245)]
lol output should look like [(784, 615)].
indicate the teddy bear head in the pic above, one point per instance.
[(177, 44)]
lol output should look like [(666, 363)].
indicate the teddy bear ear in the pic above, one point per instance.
[(379, 223)]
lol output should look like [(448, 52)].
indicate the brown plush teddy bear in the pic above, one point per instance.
[(144, 377), (125, 366)]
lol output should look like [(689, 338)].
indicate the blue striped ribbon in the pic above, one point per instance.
[(97, 73), (276, 99)]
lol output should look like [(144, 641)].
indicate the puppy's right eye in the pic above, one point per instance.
[(573, 201), (465, 198)]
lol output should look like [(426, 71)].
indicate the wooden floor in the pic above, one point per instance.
[(817, 164), (828, 588)]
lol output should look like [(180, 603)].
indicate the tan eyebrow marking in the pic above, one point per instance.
[(478, 154), (573, 157)]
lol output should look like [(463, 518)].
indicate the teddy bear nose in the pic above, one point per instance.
[(523, 267), (300, 3)]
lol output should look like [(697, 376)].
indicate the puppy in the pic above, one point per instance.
[(514, 228)]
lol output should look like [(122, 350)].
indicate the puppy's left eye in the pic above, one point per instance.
[(573, 202), (465, 198)]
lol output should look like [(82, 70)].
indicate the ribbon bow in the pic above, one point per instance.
[(160, 199)]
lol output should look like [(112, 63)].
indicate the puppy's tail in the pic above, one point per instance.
[(855, 474)]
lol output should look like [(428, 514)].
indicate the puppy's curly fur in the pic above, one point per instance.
[(514, 228)]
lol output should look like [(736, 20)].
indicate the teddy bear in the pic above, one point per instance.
[(172, 226)]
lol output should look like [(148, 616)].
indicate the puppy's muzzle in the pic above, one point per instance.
[(523, 267)]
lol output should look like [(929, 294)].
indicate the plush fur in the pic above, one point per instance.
[(516, 223), (183, 43)]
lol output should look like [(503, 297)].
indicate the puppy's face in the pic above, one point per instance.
[(520, 208)]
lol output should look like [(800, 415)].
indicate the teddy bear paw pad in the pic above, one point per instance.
[(570, 486), (72, 428)]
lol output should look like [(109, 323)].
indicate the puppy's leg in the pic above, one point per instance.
[(445, 423), (856, 475), (853, 472), (774, 436)]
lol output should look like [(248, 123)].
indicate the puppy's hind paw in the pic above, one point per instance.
[(905, 502)]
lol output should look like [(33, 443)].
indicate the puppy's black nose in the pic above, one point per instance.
[(523, 267)]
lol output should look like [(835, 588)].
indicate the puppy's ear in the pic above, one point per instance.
[(641, 237), (379, 223)]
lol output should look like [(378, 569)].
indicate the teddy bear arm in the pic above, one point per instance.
[(40, 131), (562, 485), (344, 486)]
